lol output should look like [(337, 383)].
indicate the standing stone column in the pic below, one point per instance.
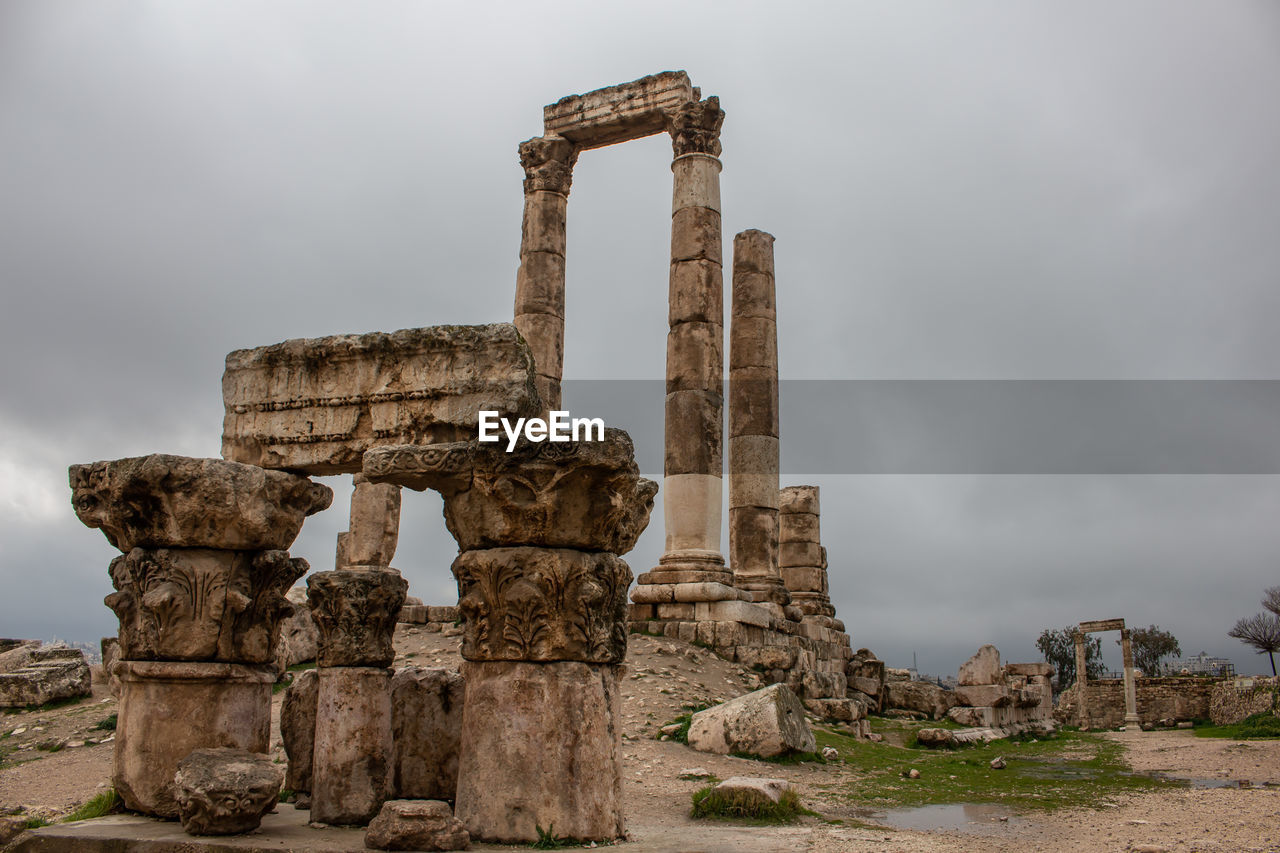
[(374, 528), (539, 310), (692, 487), (802, 559), (356, 613), (753, 421), (1130, 686), (1082, 680), (200, 594)]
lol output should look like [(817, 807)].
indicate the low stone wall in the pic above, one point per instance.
[(1177, 698), (1234, 699)]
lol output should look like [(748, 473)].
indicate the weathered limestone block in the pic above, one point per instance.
[(374, 528), (298, 728), (110, 654), (543, 604), (163, 501), (416, 825), (201, 603), (299, 635), (753, 792), (843, 710), (767, 723), (541, 746), (577, 494), (426, 727), (799, 499), (169, 709), (1043, 670), (356, 614), (225, 791), (351, 767), (982, 668), (619, 113), (316, 405), (16, 653), (43, 675), (922, 696), (984, 694)]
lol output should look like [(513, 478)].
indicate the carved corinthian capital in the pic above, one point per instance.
[(695, 127), (356, 613), (548, 163)]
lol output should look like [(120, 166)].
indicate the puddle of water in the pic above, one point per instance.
[(965, 817), (1199, 782)]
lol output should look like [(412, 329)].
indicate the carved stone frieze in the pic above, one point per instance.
[(356, 613), (587, 495), (542, 604), (695, 127), (548, 163), (163, 501)]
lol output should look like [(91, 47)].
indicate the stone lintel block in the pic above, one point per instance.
[(747, 612), (543, 604), (695, 293), (799, 527), (983, 695), (168, 709), (753, 543), (695, 182), (618, 113), (164, 501), (663, 576), (695, 357), (1102, 625), (540, 284), (1043, 670), (753, 342), (693, 423), (201, 603), (753, 470), (695, 235), (799, 499), (351, 769), (316, 405), (544, 334), (753, 252), (356, 613), (804, 579), (792, 554), (426, 728), (542, 228), (541, 747)]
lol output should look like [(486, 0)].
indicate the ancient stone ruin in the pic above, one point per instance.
[(203, 584)]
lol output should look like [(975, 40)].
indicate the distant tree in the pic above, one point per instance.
[(1262, 631), (1271, 599), (1151, 645), (1059, 650)]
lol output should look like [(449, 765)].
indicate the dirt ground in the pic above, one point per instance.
[(664, 675)]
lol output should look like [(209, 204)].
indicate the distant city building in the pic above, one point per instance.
[(1202, 664)]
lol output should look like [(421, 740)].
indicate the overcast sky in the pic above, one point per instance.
[(1085, 191)]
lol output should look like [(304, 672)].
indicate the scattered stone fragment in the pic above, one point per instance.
[(416, 825), (694, 773), (998, 763), (753, 791), (225, 791), (767, 723), (830, 753)]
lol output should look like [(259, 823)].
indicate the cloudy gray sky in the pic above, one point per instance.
[(1085, 191)]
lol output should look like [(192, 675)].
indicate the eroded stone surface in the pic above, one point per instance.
[(768, 722), (543, 604), (298, 728), (350, 775), (416, 825), (982, 668), (426, 727), (754, 791), (585, 494), (356, 614), (201, 603), (316, 405), (299, 635), (163, 501), (38, 675), (225, 791), (618, 113)]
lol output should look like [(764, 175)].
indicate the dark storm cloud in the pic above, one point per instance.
[(1066, 191)]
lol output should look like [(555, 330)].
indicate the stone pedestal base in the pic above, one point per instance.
[(541, 746), (352, 760), (169, 708)]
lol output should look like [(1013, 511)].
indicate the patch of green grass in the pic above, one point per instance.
[(107, 724), (1255, 727), (1071, 769), (710, 803), (47, 706), (682, 736), (51, 746), (34, 823), (101, 805), (789, 758), (286, 794), (285, 682), (548, 840)]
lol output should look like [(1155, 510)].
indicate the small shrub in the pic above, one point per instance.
[(547, 839), (682, 736), (1253, 727), (103, 804), (106, 725), (34, 823)]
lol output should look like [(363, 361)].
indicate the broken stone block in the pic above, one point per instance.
[(225, 791), (618, 113), (299, 634), (316, 405), (843, 710), (543, 604), (753, 792), (985, 694), (298, 728), (587, 495), (49, 674), (922, 697), (201, 603), (982, 668), (163, 501), (351, 764), (768, 723), (416, 825), (426, 727), (541, 746), (356, 613)]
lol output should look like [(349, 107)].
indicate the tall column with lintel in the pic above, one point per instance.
[(539, 310), (1082, 679), (1130, 687), (692, 486), (753, 421)]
